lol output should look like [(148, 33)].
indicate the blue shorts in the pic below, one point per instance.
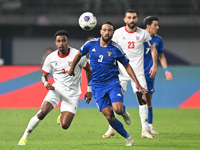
[(150, 87), (106, 95)]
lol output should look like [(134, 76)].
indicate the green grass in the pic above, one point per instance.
[(179, 130)]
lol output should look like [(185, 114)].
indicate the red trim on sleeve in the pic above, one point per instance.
[(86, 65), (65, 55), (45, 72), (132, 31)]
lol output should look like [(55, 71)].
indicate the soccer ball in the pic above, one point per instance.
[(87, 21)]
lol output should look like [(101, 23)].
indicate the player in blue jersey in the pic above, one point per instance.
[(151, 25), (106, 89)]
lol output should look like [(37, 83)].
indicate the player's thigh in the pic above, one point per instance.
[(142, 81), (52, 97), (69, 103)]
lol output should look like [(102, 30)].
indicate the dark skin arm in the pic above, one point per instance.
[(88, 95), (45, 79)]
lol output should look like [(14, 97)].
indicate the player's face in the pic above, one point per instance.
[(154, 27), (62, 43), (106, 32), (131, 20)]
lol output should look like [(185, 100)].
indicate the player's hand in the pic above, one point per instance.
[(50, 87), (153, 71), (141, 89), (168, 75), (71, 72), (88, 97)]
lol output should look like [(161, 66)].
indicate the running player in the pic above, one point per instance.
[(151, 25), (104, 54), (65, 88), (132, 38)]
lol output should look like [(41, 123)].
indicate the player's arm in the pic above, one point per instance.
[(88, 94), (74, 63), (133, 76), (153, 69), (163, 62), (45, 82)]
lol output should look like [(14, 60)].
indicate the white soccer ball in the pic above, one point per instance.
[(87, 21)]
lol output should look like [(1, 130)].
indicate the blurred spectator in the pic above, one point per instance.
[(47, 52)]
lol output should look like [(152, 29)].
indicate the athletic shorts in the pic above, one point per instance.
[(69, 101), (106, 95), (124, 81), (150, 87)]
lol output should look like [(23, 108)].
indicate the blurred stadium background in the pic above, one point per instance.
[(27, 28)]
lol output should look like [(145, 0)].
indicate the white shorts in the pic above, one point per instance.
[(69, 101), (124, 81)]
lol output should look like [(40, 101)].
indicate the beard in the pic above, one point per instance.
[(133, 26), (106, 40)]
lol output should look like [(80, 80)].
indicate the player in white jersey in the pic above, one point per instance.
[(65, 89), (132, 39)]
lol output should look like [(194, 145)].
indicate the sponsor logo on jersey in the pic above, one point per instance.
[(109, 53), (137, 38), (70, 63)]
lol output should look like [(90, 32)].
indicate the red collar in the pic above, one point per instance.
[(65, 55), (132, 31)]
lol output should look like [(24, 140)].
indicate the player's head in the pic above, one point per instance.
[(107, 31), (130, 18), (61, 42), (151, 24)]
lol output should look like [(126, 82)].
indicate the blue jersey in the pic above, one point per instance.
[(103, 61), (148, 62)]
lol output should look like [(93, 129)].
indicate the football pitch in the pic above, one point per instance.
[(179, 130)]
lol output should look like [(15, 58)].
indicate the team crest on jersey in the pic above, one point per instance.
[(70, 63), (137, 38), (155, 44), (109, 53)]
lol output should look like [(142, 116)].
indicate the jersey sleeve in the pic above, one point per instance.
[(160, 46), (85, 48), (83, 62), (147, 39), (46, 68), (121, 56)]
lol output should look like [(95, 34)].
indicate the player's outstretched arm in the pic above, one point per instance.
[(74, 63), (88, 94), (133, 76), (153, 69)]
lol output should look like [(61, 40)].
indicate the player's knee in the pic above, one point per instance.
[(141, 101), (41, 114), (65, 126), (110, 118)]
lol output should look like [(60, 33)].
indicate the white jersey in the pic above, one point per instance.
[(132, 44), (60, 65)]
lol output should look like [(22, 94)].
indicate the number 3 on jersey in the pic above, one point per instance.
[(100, 58), (131, 45)]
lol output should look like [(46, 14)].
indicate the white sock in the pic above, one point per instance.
[(150, 126), (33, 123), (143, 112)]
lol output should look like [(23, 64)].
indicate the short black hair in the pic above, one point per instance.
[(61, 32), (107, 22), (148, 20), (129, 11)]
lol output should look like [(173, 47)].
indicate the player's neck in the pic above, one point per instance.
[(63, 53), (103, 43)]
